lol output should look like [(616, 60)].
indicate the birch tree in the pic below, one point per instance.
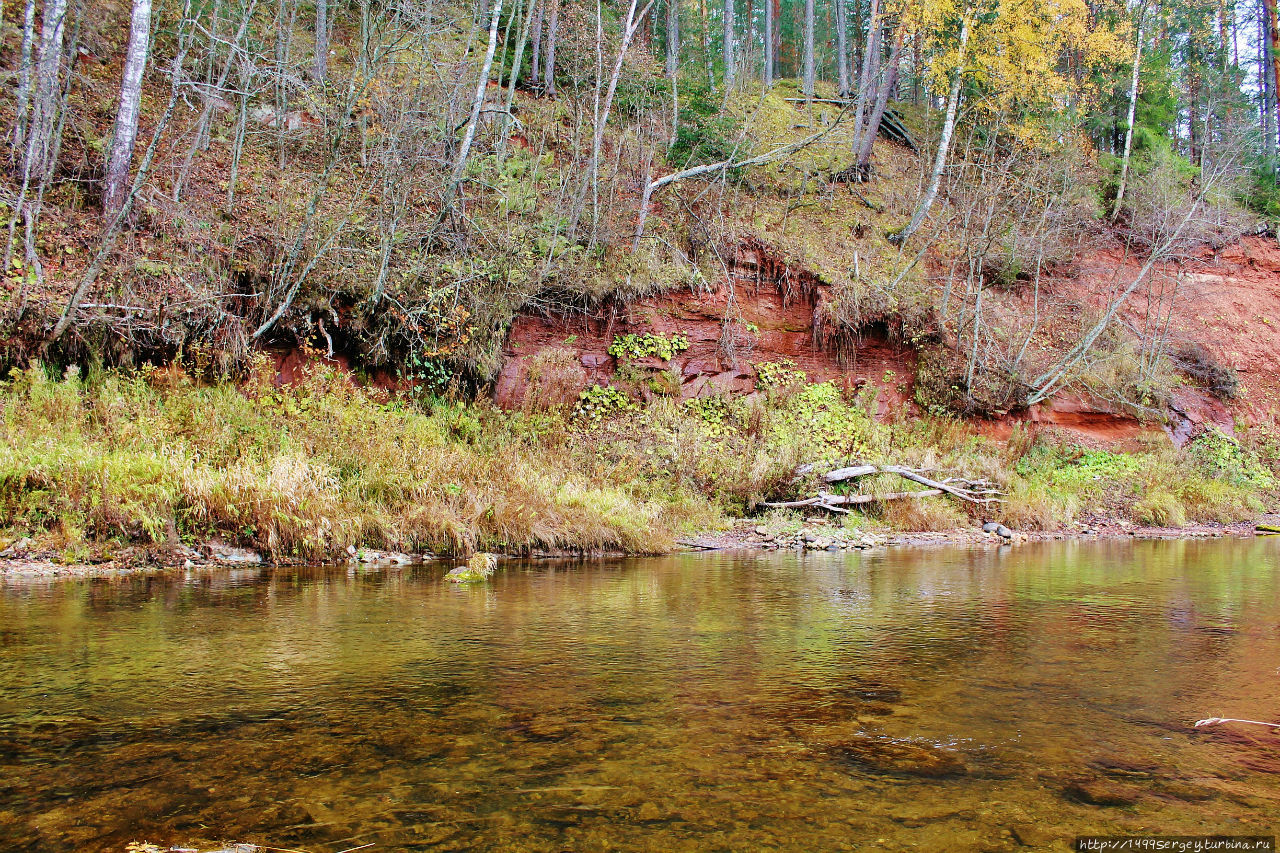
[(1133, 108), (126, 128), (944, 141), (36, 159)]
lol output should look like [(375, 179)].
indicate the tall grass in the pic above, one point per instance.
[(305, 471)]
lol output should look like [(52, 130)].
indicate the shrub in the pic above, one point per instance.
[(554, 380), (1161, 509)]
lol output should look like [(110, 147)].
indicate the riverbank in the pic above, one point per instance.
[(161, 468), (746, 535)]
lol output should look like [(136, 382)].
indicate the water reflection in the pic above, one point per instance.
[(903, 699)]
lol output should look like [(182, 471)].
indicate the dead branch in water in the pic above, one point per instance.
[(1213, 721)]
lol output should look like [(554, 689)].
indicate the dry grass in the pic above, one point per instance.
[(305, 472)]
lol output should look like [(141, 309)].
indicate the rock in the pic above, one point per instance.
[(808, 536), (235, 556), (1031, 835), (866, 542), (888, 755), (762, 531), (990, 527), (1188, 791), (188, 564), (1103, 792), (833, 546), (16, 549), (1003, 532), (463, 574)]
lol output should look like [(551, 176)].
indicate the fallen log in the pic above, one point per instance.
[(825, 500), (982, 492)]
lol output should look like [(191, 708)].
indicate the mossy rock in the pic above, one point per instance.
[(477, 570)]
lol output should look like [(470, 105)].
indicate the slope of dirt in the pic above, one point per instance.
[(1227, 300), (764, 312)]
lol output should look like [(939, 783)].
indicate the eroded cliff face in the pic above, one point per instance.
[(763, 312)]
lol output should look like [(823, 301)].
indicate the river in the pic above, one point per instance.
[(900, 699)]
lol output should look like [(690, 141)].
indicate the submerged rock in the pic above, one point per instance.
[(1103, 792), (912, 758)]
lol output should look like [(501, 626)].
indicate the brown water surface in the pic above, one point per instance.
[(906, 699)]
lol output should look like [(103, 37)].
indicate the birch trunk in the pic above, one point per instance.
[(770, 24), (944, 143), (549, 67), (24, 75), (39, 142), (673, 38), (477, 103), (126, 130), (1133, 108)]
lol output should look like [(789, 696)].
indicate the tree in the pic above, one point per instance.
[(944, 141), (770, 26), (1133, 109), (808, 50), (844, 85), (37, 160), (322, 41), (126, 129), (730, 66), (673, 38)]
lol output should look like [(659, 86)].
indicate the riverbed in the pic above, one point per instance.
[(888, 699)]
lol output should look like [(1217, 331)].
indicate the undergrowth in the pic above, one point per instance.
[(305, 471)]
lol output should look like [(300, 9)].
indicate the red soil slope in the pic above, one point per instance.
[(774, 313)]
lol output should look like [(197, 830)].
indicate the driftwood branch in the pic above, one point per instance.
[(982, 492), (836, 503)]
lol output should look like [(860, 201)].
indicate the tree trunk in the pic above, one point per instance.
[(888, 80), (39, 142), (549, 66), (730, 72), (944, 143), (843, 84), (808, 49), (322, 41), (1273, 28), (673, 38), (1267, 85), (770, 24), (473, 121), (126, 131), (1133, 109), (535, 60), (24, 75), (870, 68)]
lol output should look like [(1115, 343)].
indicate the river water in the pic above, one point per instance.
[(958, 699)]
